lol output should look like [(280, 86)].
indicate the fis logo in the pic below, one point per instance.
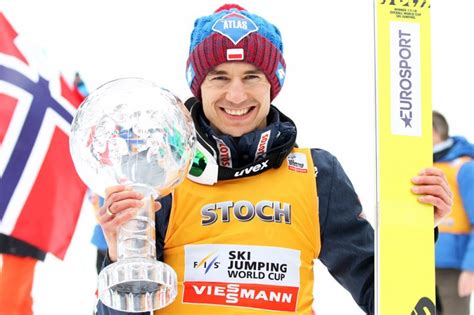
[(208, 262)]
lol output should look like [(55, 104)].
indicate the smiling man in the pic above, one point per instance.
[(236, 98), (243, 239)]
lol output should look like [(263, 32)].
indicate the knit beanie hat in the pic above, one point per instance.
[(232, 34)]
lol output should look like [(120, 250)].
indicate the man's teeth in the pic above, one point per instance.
[(237, 112)]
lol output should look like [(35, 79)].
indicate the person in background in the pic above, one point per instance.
[(80, 85), (270, 203), (455, 245), (17, 270)]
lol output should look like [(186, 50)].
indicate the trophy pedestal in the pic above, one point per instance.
[(137, 285)]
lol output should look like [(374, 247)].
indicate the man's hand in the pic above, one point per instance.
[(432, 186), (120, 205), (466, 283)]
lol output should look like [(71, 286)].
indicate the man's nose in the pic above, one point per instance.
[(236, 92)]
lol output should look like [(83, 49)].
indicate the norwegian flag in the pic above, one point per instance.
[(40, 192)]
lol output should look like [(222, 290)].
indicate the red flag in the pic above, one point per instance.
[(40, 192)]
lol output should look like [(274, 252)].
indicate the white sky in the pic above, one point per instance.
[(329, 90)]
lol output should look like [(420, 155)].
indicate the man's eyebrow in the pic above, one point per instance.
[(256, 71), (222, 72), (215, 72)]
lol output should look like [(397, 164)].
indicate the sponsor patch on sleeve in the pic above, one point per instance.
[(258, 277)]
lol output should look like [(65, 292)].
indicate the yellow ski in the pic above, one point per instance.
[(405, 247)]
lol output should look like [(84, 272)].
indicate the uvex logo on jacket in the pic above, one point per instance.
[(244, 210), (252, 169)]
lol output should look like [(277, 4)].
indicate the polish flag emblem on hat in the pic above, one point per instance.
[(235, 54)]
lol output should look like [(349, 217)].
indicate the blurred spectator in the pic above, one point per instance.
[(80, 86), (455, 246), (16, 275)]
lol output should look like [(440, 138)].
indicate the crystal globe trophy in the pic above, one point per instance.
[(131, 131)]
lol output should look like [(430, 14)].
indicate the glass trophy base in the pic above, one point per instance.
[(137, 285)]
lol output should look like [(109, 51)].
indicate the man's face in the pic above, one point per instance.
[(236, 98)]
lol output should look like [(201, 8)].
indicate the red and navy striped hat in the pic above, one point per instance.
[(232, 34)]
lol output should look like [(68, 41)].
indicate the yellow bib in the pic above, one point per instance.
[(247, 245), (457, 222)]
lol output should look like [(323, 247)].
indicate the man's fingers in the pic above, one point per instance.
[(432, 171), (433, 180), (438, 176), (433, 190), (123, 217), (125, 194), (110, 223), (121, 205), (436, 202), (121, 199), (113, 189)]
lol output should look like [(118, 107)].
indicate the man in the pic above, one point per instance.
[(275, 207), (455, 246)]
